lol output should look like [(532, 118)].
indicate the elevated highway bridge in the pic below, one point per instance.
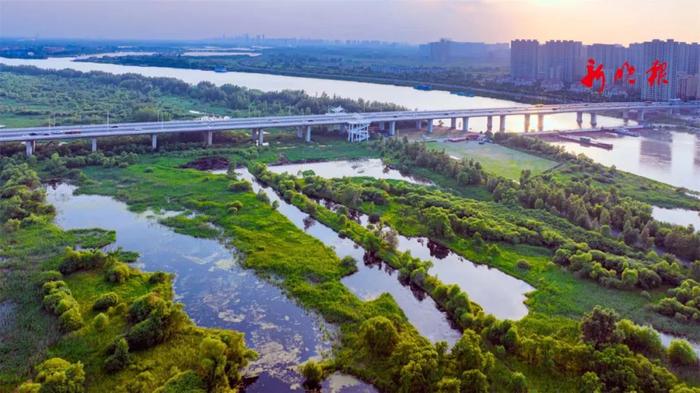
[(356, 124)]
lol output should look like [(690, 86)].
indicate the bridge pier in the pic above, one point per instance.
[(465, 124), (382, 126), (93, 143), (260, 136), (300, 132), (540, 122), (210, 138), (527, 123), (29, 148), (579, 118), (392, 128), (308, 134), (626, 116), (594, 119), (489, 123), (640, 115), (453, 123), (430, 126), (253, 134), (502, 123), (419, 124), (154, 142)]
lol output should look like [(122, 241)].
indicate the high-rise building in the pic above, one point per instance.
[(688, 86), (610, 56), (635, 57), (694, 59), (563, 60), (675, 56), (524, 59)]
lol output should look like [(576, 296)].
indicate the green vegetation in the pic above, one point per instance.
[(496, 159), (86, 331), (31, 96), (599, 350)]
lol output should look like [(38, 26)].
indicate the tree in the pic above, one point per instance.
[(467, 352), (474, 381), (380, 335), (448, 385), (598, 327), (590, 383), (639, 338), (681, 353)]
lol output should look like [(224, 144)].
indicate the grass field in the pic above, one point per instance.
[(496, 159)]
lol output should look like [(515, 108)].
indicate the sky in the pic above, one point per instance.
[(413, 21)]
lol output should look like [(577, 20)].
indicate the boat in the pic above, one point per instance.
[(220, 69), (625, 131), (423, 87)]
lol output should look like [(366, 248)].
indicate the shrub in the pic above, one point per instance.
[(81, 260), (523, 264), (639, 338), (163, 321), (100, 322), (49, 286), (118, 273), (240, 186), (235, 206), (518, 383), (119, 359), (12, 225), (313, 374), (70, 320), (52, 300), (48, 276), (380, 335), (681, 353), (158, 278), (142, 307), (349, 264), (262, 196), (599, 326), (105, 301), (57, 375)]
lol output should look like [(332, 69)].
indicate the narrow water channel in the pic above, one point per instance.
[(498, 293), (371, 280), (215, 289)]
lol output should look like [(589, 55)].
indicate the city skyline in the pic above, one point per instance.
[(414, 22)]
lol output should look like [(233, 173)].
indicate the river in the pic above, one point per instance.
[(215, 289)]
